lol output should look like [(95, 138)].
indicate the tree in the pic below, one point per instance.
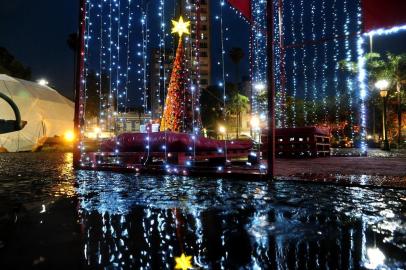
[(178, 113), (236, 105), (395, 71), (97, 91), (392, 68), (10, 66), (236, 55), (211, 107)]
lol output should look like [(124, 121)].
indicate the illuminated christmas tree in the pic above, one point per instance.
[(178, 112)]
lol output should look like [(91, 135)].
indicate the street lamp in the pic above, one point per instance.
[(255, 123), (69, 136), (42, 82), (222, 130), (256, 127), (383, 85)]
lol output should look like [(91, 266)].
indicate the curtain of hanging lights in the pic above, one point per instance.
[(119, 36), (311, 87)]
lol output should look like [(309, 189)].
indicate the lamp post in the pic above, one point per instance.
[(42, 82), (223, 131), (383, 85)]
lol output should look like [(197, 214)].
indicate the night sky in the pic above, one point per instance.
[(35, 32)]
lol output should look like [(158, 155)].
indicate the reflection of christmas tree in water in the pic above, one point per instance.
[(178, 111)]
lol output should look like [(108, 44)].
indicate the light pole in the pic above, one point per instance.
[(259, 90), (383, 85), (42, 82), (256, 128), (223, 131)]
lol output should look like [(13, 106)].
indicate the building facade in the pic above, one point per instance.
[(199, 14), (197, 51), (160, 68)]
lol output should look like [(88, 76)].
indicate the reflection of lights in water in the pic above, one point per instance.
[(279, 218), (63, 187), (387, 213), (183, 262), (199, 237), (376, 258), (259, 230)]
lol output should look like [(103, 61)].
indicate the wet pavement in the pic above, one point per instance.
[(389, 171), (52, 217)]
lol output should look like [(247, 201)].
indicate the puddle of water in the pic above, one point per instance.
[(51, 215)]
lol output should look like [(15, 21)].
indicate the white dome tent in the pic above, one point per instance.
[(46, 112)]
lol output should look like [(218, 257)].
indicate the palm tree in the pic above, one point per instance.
[(236, 55), (395, 72), (391, 68), (238, 104)]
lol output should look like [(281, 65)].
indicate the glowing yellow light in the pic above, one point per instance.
[(382, 84), (43, 82), (255, 123), (222, 129), (181, 27), (69, 136), (183, 262)]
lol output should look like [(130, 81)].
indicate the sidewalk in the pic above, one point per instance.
[(378, 169)]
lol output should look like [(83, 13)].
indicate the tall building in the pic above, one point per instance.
[(160, 67), (198, 12), (197, 46)]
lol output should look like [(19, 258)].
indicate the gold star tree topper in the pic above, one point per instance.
[(183, 262), (181, 27)]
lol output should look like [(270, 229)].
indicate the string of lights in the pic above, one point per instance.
[(100, 119), (259, 65), (163, 69), (324, 78), (109, 27), (87, 35), (313, 93), (223, 82), (348, 59), (292, 9), (303, 64), (336, 54)]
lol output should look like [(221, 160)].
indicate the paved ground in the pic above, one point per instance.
[(375, 171)]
